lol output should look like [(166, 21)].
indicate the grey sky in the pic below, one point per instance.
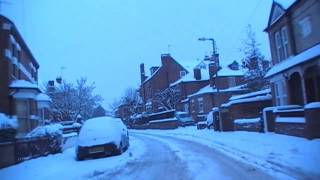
[(106, 40)]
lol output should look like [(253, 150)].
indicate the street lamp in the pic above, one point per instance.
[(215, 58), (214, 49)]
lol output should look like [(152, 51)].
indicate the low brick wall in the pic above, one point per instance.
[(164, 124), (292, 129), (248, 109), (252, 127), (140, 126), (7, 154)]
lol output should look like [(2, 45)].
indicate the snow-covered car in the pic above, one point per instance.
[(184, 119), (201, 125), (102, 136)]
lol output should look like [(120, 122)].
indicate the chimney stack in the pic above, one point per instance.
[(197, 73), (142, 73), (165, 58)]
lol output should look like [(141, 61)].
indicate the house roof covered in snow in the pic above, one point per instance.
[(23, 84), (203, 66), (209, 89), (303, 57), (252, 94), (43, 97)]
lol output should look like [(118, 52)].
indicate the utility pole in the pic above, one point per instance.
[(214, 55)]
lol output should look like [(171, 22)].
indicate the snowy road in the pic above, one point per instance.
[(184, 153), (173, 158)]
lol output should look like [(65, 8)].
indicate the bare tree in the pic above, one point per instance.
[(254, 62), (168, 98), (70, 100)]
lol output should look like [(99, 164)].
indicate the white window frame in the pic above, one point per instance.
[(278, 43), (182, 73), (186, 107), (192, 105), (281, 93), (285, 42), (200, 105)]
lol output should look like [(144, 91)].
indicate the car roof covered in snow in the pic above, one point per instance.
[(101, 130)]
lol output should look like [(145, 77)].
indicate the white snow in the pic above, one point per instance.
[(51, 130), (272, 152), (249, 120), (64, 166), (190, 77), (6, 122), (101, 130), (204, 90), (226, 71), (303, 57), (210, 118), (164, 120), (285, 3), (256, 93), (23, 84), (246, 100), (43, 97), (313, 105), (290, 119)]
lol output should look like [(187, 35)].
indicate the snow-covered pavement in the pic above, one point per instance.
[(185, 153), (64, 166)]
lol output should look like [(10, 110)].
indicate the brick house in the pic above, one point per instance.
[(227, 82), (191, 83), (18, 78), (160, 78), (293, 30)]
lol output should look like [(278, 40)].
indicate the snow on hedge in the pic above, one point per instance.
[(7, 123), (313, 105), (47, 130), (249, 120)]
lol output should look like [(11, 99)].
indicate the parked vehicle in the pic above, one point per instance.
[(184, 119), (201, 125), (102, 136)]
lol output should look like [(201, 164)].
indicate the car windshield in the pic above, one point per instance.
[(159, 89)]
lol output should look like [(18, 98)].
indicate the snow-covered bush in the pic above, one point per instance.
[(50, 130), (8, 123), (8, 128)]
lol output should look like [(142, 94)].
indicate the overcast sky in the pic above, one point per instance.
[(106, 40)]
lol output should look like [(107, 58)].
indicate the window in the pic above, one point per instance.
[(281, 94), (278, 46), (305, 26), (182, 73), (232, 81), (200, 105), (285, 42), (192, 106), (282, 44), (186, 107)]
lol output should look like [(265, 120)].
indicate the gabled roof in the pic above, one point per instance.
[(161, 67), (278, 9)]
